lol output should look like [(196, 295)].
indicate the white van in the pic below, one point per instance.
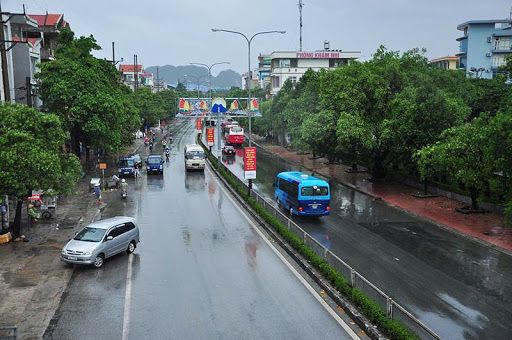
[(194, 157)]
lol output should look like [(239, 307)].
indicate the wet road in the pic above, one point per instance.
[(459, 288), (201, 271)]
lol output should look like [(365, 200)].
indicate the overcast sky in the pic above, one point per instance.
[(178, 32)]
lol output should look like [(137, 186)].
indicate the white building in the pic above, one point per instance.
[(293, 64)]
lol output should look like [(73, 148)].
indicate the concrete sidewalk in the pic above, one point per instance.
[(486, 228), (32, 277)]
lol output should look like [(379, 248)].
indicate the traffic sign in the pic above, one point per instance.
[(210, 136), (219, 106)]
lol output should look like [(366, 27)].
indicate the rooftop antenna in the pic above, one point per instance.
[(301, 4)]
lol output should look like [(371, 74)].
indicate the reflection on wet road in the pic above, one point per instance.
[(200, 272), (461, 289)]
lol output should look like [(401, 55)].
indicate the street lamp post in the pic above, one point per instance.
[(197, 82), (209, 67), (249, 77)]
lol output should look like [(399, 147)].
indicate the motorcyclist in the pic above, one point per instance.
[(150, 146), (124, 187), (167, 152)]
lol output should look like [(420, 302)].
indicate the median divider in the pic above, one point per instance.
[(380, 318)]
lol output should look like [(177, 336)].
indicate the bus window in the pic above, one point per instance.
[(314, 191)]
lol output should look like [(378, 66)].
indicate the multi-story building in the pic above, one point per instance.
[(484, 46), (264, 66), (128, 73), (292, 65), (446, 63), (49, 25), (255, 83), (26, 53)]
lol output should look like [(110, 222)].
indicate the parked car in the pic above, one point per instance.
[(101, 240), (154, 164), (228, 150), (126, 167)]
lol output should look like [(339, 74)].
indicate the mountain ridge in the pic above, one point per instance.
[(173, 74)]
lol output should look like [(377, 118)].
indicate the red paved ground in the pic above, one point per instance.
[(440, 210)]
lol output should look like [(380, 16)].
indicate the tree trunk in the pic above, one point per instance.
[(75, 141), (474, 198), (354, 166), (377, 169), (16, 226), (425, 186)]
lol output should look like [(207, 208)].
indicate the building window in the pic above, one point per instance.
[(275, 82), (293, 79), (498, 60), (502, 44), (284, 62), (293, 63)]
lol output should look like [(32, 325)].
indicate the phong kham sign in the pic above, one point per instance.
[(318, 55)]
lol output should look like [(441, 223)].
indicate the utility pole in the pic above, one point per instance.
[(300, 24), (113, 54), (3, 57), (28, 86), (158, 79), (135, 75)]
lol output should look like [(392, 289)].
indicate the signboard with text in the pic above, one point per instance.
[(250, 163), (210, 136), (199, 125), (318, 55)]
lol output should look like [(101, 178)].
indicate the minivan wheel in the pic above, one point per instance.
[(131, 247), (98, 261)]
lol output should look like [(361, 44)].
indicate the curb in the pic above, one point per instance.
[(410, 213), (363, 322)]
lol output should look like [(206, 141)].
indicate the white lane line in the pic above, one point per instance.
[(306, 284), (127, 299)]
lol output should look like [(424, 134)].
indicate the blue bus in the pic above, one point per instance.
[(302, 194)]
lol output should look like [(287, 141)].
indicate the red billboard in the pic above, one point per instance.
[(210, 136), (199, 125), (250, 163)]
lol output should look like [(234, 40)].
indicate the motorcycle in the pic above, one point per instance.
[(124, 194), (167, 154)]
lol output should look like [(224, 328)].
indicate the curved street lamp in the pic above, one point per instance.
[(249, 77), (209, 67)]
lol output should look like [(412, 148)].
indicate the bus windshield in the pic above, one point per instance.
[(195, 155), (314, 191)]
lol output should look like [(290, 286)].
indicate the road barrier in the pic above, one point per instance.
[(394, 311)]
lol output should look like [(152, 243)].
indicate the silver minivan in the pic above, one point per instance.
[(100, 240)]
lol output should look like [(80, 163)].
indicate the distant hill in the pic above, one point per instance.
[(172, 74)]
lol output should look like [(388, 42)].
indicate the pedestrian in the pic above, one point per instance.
[(97, 193), (136, 167)]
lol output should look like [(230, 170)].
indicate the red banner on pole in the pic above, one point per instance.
[(250, 163), (199, 125), (210, 136)]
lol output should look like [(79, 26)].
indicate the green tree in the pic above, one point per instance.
[(462, 152), (32, 155), (88, 95)]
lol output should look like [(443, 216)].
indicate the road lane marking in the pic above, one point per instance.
[(306, 284), (127, 299)]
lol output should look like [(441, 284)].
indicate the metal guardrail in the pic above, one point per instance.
[(8, 332), (393, 310)]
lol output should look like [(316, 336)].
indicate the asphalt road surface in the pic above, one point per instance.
[(201, 271), (459, 288)]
